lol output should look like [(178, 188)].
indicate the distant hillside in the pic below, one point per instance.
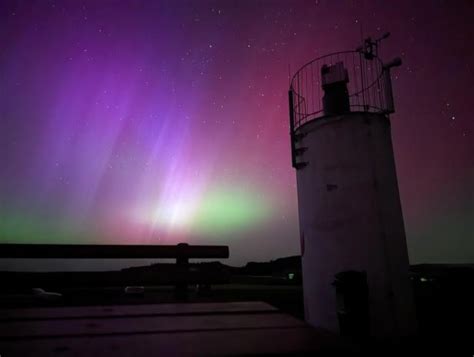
[(274, 267)]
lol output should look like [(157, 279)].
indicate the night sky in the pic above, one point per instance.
[(148, 122)]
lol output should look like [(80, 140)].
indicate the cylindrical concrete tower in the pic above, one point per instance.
[(354, 253)]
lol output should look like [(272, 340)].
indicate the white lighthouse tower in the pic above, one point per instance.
[(354, 253)]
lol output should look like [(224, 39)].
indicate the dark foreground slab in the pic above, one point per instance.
[(161, 329)]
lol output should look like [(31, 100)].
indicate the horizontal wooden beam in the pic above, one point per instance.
[(79, 251)]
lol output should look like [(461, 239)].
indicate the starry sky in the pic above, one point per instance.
[(158, 122)]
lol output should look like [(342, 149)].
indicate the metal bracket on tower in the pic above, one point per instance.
[(294, 137), (370, 47)]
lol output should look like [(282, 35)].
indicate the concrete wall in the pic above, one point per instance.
[(351, 219)]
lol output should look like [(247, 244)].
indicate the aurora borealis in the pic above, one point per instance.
[(129, 122)]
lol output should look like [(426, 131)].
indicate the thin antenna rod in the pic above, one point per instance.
[(361, 26)]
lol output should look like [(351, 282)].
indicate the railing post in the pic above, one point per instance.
[(182, 264), (292, 128)]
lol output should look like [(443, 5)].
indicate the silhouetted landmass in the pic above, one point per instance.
[(282, 270), (279, 267), (444, 295)]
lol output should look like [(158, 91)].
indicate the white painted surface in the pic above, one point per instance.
[(355, 223)]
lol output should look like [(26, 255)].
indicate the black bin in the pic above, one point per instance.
[(352, 303)]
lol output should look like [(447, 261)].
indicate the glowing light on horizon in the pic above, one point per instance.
[(214, 212)]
